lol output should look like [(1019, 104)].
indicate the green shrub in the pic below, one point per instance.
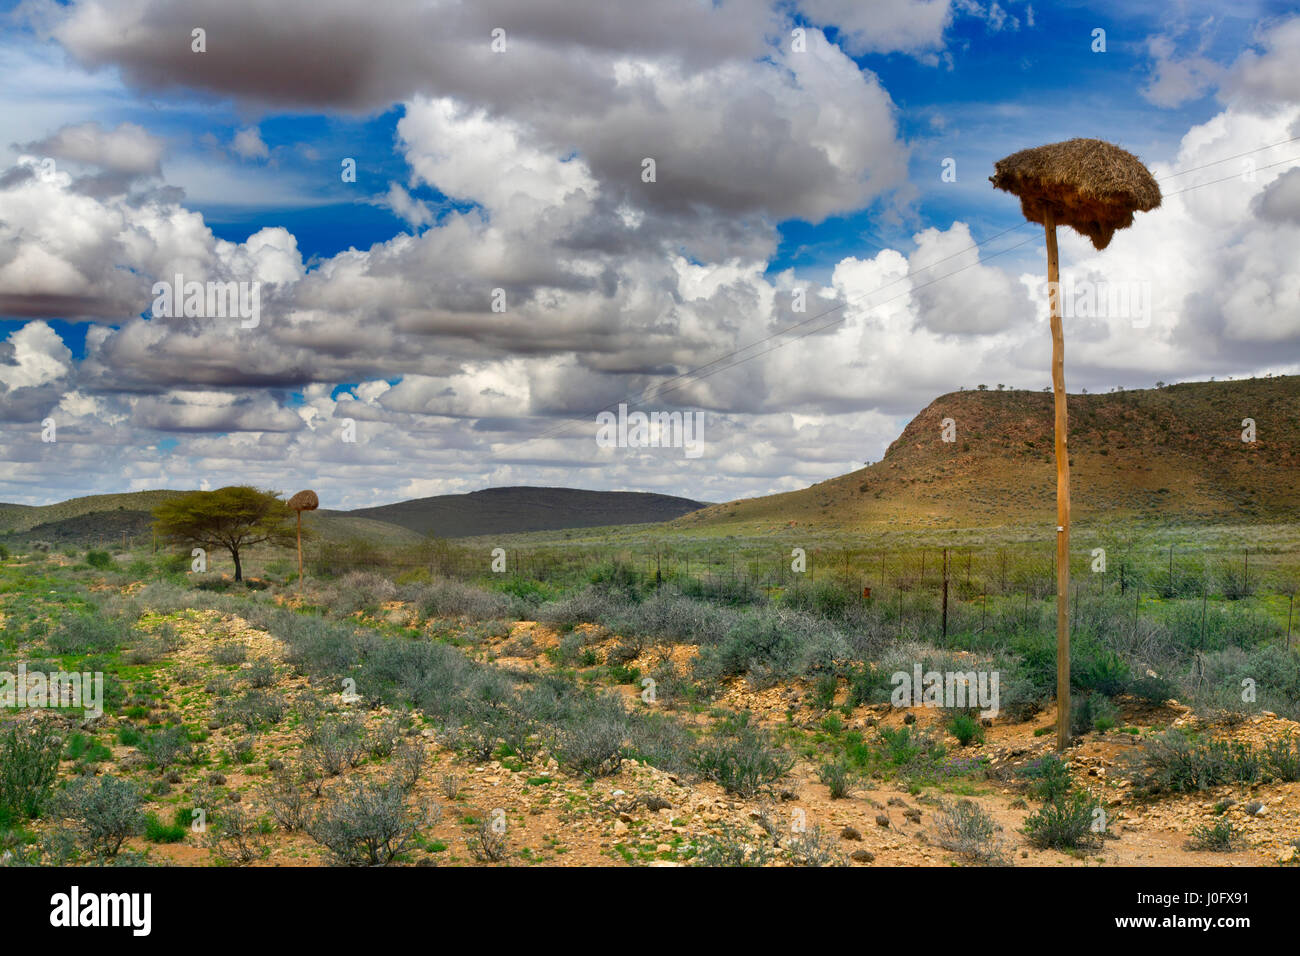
[(732, 847), (1049, 778), (1153, 690), (167, 746), (966, 829), (836, 776), (84, 633), (155, 831), (288, 802), (29, 764), (592, 742), (333, 744), (1092, 712), (966, 729), (104, 811), (1098, 669), (814, 847), (824, 690), (1172, 762), (1282, 757), (868, 685), (255, 710), (236, 834), (1220, 837), (486, 842), (84, 748), (660, 741), (100, 560), (1064, 823), (822, 598), (901, 746), (359, 591), (742, 761), (366, 826)]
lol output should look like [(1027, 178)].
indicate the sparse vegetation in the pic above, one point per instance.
[(969, 831), (240, 701), (369, 826)]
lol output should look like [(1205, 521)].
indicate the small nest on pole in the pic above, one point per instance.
[(304, 501), (1087, 184)]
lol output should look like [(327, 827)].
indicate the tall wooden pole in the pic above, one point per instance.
[(299, 550), (1062, 492)]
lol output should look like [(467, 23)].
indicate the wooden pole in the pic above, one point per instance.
[(1062, 490), (299, 550)]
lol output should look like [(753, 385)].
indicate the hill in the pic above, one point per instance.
[(102, 520), (1172, 453), (127, 507), (523, 509)]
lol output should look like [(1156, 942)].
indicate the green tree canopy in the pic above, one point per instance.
[(233, 518)]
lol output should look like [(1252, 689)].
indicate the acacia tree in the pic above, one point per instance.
[(233, 518)]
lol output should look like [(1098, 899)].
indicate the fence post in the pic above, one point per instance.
[(945, 594), (1291, 604)]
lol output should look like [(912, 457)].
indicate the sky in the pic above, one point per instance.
[(461, 231)]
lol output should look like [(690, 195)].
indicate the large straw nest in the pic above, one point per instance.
[(304, 501), (1089, 184)]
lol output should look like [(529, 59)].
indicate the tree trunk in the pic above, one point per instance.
[(239, 569), (1062, 492)]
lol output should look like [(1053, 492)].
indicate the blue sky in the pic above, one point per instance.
[(375, 291)]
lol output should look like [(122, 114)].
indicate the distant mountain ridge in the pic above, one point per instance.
[(527, 508), (105, 519)]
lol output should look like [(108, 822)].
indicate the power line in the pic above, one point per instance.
[(1226, 159), (1227, 178)]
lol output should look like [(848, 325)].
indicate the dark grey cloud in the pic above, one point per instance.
[(362, 57)]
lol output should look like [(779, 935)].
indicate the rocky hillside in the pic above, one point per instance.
[(1172, 453)]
